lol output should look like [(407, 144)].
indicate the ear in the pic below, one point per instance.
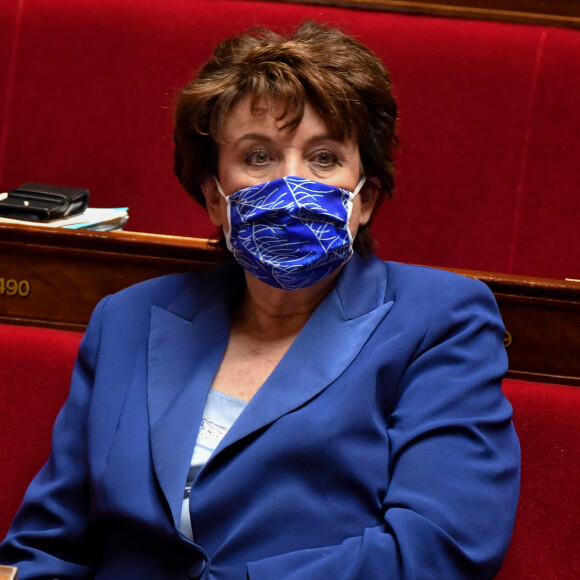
[(369, 195), (214, 202)]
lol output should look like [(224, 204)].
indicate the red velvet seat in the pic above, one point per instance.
[(545, 541), (35, 369), (488, 123), (34, 377), (487, 180)]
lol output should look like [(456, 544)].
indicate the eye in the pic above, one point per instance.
[(324, 158), (258, 157)]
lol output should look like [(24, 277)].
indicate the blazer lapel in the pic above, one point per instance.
[(326, 346), (186, 346)]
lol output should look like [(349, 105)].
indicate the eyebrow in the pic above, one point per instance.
[(254, 137), (262, 137)]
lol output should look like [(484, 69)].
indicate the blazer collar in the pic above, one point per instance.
[(187, 342)]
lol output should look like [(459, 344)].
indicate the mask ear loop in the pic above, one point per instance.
[(351, 198), (219, 187), (229, 207), (359, 186)]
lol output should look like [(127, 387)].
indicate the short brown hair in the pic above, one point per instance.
[(347, 85)]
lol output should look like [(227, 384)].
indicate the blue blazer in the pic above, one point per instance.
[(381, 446)]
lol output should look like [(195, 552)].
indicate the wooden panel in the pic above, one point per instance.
[(564, 13), (8, 573), (54, 278), (542, 320)]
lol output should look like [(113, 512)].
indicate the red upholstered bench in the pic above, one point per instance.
[(545, 541), (488, 169), (35, 371)]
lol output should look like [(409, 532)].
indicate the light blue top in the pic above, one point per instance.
[(219, 415)]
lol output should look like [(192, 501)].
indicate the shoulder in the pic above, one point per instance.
[(129, 310), (434, 301), (183, 293), (123, 318), (432, 285), (443, 318), (155, 291)]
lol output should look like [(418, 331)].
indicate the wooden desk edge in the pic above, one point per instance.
[(154, 254), (8, 573), (137, 243), (160, 245)]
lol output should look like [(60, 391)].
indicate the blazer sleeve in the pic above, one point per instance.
[(450, 506), (50, 535)]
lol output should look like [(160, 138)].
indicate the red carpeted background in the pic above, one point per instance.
[(488, 168)]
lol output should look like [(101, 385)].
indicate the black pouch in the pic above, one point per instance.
[(42, 202)]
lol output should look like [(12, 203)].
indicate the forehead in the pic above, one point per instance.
[(267, 116)]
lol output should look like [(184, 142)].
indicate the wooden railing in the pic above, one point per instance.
[(8, 573), (54, 278), (564, 13)]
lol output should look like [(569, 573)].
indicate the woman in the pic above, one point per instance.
[(315, 413)]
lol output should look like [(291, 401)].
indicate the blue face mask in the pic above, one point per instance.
[(290, 232)]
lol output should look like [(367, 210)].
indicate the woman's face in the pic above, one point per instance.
[(254, 151)]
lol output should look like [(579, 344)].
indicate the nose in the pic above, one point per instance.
[(293, 164)]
